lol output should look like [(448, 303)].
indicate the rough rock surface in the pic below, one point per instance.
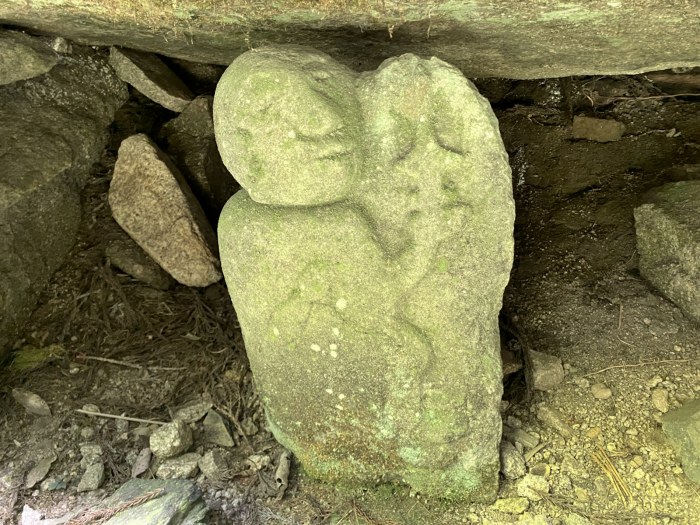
[(92, 478), (180, 467), (668, 241), (147, 73), (547, 371), (151, 200), (215, 430), (171, 439), (499, 38), (180, 503), (369, 301), (53, 129), (682, 427), (23, 57), (192, 146)]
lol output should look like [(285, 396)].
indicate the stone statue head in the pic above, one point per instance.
[(289, 111)]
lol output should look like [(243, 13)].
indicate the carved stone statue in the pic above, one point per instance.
[(366, 258)]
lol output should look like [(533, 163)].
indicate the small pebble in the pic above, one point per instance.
[(659, 399), (512, 461), (512, 505), (555, 419), (582, 494), (654, 381), (532, 487), (593, 433), (583, 383), (600, 391), (540, 469)]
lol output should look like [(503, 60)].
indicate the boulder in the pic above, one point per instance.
[(484, 38), (668, 242), (174, 501), (152, 202), (53, 128), (682, 428), (366, 259), (192, 146), (23, 57)]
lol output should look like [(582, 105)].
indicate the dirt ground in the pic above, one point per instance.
[(575, 293)]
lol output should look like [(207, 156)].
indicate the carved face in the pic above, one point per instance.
[(291, 131)]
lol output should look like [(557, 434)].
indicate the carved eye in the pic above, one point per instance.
[(448, 127), (447, 142), (403, 133)]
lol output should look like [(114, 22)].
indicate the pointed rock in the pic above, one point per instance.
[(215, 430), (147, 73), (152, 202)]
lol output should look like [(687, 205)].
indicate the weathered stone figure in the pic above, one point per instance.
[(366, 260)]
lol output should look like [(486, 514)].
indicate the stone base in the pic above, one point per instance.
[(668, 241)]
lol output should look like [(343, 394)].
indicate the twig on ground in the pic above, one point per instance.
[(623, 492), (535, 450), (635, 365), (623, 341), (124, 418), (237, 424), (102, 515), (108, 360), (619, 318), (127, 364)]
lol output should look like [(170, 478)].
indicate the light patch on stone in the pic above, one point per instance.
[(275, 331), (291, 134), (341, 304), (329, 390), (341, 396), (334, 354), (333, 346), (339, 407), (336, 331), (315, 348)]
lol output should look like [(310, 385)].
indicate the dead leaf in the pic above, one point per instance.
[(143, 461), (282, 474), (258, 461), (39, 471), (31, 402)]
